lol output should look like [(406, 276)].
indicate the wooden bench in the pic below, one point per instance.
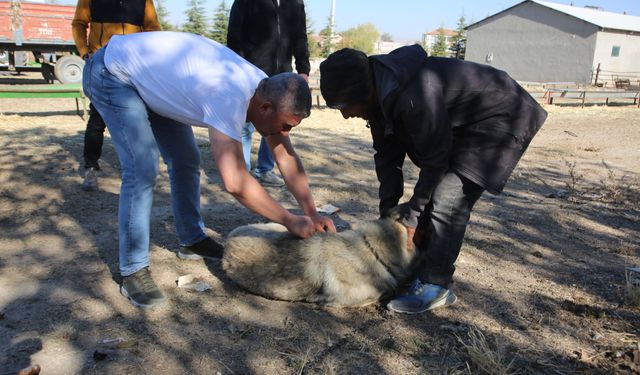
[(47, 91), (622, 83), (582, 95)]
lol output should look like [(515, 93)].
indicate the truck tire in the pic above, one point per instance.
[(68, 69)]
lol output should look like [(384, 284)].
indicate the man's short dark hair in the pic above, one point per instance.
[(288, 92), (345, 78)]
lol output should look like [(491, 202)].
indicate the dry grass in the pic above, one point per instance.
[(631, 292), (576, 179), (485, 356)]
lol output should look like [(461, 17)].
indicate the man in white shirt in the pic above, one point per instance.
[(150, 88)]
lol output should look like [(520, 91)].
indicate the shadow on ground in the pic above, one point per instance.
[(69, 301)]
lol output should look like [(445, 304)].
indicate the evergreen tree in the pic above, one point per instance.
[(196, 21), (326, 46), (313, 45), (220, 23), (440, 48), (163, 14), (459, 39)]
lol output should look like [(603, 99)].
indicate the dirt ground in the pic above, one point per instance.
[(540, 280)]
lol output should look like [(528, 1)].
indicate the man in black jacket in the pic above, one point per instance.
[(465, 125), (268, 33)]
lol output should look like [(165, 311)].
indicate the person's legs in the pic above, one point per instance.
[(247, 133), (265, 161), (451, 205), (264, 166), (93, 139), (125, 114), (443, 224), (182, 157)]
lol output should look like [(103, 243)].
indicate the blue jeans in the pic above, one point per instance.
[(140, 136), (265, 158), (442, 226)]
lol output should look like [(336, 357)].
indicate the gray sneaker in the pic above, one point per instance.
[(268, 178), (422, 297), (141, 290), (90, 182)]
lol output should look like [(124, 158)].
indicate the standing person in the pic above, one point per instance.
[(268, 33), (104, 18), (465, 125), (149, 88)]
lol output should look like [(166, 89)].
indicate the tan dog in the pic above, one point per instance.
[(350, 268)]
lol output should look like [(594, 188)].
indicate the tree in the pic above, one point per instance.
[(459, 39), (326, 44), (220, 23), (440, 47), (362, 37), (163, 14), (386, 37), (196, 21), (312, 43)]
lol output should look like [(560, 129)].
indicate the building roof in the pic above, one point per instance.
[(601, 18), (447, 32)]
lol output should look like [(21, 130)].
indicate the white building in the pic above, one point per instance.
[(548, 42)]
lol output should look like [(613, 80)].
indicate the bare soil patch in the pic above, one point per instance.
[(540, 278)]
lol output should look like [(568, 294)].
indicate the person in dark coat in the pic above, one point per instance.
[(465, 125), (268, 33)]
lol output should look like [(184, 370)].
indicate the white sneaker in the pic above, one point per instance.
[(421, 298), (90, 182), (268, 178)]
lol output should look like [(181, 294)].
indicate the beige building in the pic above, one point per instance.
[(429, 39)]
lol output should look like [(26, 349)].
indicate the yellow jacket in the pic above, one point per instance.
[(110, 18)]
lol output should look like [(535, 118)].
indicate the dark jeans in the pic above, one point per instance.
[(441, 228), (93, 138)]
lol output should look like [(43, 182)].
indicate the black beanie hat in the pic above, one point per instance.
[(345, 78)]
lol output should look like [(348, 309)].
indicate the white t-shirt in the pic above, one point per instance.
[(186, 77)]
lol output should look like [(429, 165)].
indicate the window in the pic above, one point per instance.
[(489, 57), (615, 51)]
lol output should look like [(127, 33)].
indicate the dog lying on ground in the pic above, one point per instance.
[(351, 268)]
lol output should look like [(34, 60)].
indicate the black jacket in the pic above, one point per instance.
[(447, 114), (268, 35)]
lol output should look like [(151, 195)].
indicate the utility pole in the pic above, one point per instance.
[(332, 25)]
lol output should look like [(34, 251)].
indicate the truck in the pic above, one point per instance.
[(41, 30)]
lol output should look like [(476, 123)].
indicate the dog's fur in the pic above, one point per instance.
[(350, 268)]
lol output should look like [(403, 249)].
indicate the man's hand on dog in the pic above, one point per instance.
[(411, 232), (300, 226), (323, 223)]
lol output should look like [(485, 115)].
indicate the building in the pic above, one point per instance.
[(542, 41), (429, 39), (382, 47)]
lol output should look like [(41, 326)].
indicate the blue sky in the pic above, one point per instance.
[(405, 20)]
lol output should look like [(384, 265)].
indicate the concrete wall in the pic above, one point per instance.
[(629, 58), (534, 43)]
